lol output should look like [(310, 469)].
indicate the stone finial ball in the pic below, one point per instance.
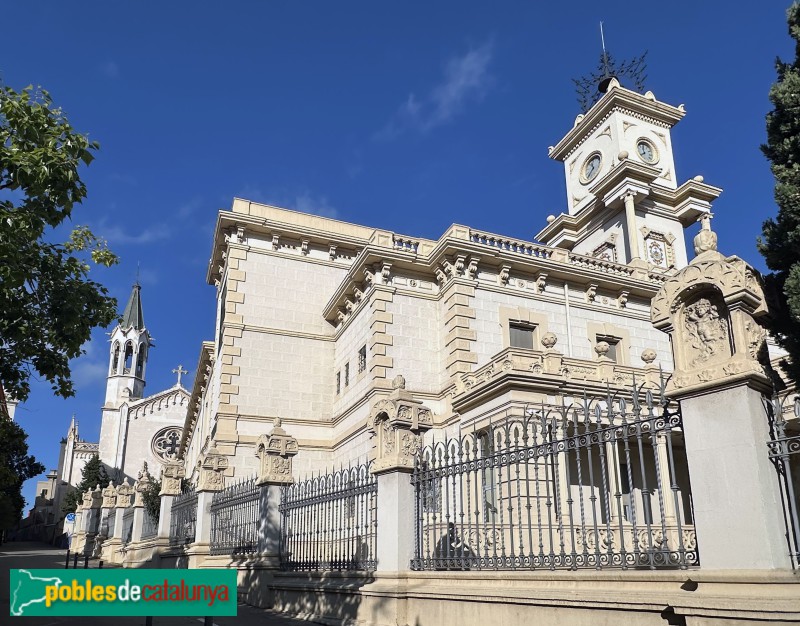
[(602, 348), (699, 178), (649, 355), (551, 218), (399, 382), (623, 154), (549, 340)]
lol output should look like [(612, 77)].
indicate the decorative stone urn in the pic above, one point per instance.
[(398, 422), (711, 310), (275, 451)]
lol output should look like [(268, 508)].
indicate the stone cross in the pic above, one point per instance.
[(179, 371)]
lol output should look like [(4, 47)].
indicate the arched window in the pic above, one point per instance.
[(115, 358), (128, 358), (140, 360)]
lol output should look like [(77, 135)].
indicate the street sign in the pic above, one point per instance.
[(70, 517)]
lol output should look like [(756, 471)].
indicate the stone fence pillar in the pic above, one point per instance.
[(711, 309), (274, 451), (92, 506), (210, 480), (398, 422), (172, 474), (139, 488)]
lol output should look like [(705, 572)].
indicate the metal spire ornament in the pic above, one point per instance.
[(591, 87)]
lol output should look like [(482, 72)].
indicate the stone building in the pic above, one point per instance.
[(316, 317)]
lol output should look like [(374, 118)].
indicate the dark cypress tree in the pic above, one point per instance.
[(94, 473), (780, 243)]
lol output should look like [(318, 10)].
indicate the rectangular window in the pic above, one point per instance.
[(346, 374), (613, 346), (338, 383), (521, 335), (362, 359)]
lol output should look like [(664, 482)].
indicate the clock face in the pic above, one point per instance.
[(591, 167), (646, 151)]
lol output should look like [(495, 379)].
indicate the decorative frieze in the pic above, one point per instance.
[(398, 423), (275, 451)]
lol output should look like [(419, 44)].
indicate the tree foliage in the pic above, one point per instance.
[(780, 243), (152, 499), (48, 304), (94, 474), (16, 466)]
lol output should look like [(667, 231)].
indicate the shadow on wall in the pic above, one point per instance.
[(332, 597)]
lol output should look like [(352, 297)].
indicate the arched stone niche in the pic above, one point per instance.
[(711, 310)]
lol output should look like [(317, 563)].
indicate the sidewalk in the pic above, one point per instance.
[(31, 555)]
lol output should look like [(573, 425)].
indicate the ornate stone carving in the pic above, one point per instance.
[(398, 422), (171, 476), (275, 451), (541, 282), (504, 275), (707, 330), (211, 470), (472, 268), (591, 292), (711, 309), (622, 299), (109, 497), (549, 341), (125, 495), (601, 349), (648, 356), (166, 443), (706, 239)]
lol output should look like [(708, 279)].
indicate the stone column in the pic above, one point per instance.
[(398, 423), (274, 452), (710, 309), (172, 474), (140, 487), (630, 221), (92, 502), (210, 480)]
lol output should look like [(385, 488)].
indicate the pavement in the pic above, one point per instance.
[(33, 555)]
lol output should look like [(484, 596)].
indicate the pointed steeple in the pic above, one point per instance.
[(133, 317)]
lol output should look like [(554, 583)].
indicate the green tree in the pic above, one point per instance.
[(16, 466), (780, 243), (48, 304), (94, 473)]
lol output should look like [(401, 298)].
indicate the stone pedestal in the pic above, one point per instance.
[(172, 475), (211, 480), (711, 309), (398, 423), (737, 505)]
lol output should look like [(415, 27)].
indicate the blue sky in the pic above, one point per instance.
[(407, 116)]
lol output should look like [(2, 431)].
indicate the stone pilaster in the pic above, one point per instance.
[(211, 479), (172, 475), (380, 340), (457, 300)]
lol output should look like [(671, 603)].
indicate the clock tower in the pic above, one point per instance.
[(624, 203)]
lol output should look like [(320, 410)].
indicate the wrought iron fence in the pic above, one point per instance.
[(784, 450), (149, 525), (235, 516), (330, 522), (598, 483), (183, 518), (127, 525)]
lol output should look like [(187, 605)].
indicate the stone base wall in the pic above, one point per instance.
[(692, 598)]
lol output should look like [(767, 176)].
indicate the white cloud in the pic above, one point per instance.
[(465, 78), (119, 235), (110, 69), (297, 199)]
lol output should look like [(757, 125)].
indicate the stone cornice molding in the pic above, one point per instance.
[(202, 377), (175, 396), (619, 99)]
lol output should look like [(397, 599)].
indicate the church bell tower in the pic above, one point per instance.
[(130, 344)]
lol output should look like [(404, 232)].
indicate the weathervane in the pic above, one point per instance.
[(591, 87)]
